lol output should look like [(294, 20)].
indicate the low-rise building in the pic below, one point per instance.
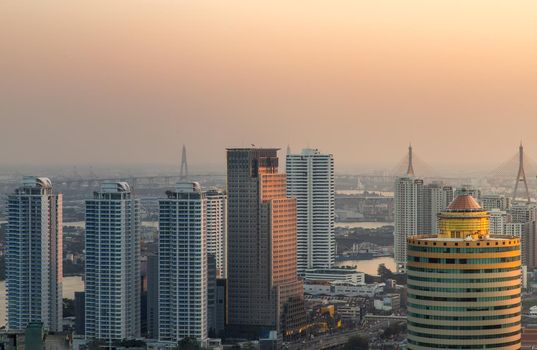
[(349, 312), (388, 302), (335, 274), (339, 288)]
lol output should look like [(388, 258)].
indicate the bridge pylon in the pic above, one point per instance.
[(521, 176), (183, 174)]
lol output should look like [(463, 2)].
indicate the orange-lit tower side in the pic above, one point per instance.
[(264, 290)]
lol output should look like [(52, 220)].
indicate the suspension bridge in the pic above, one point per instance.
[(516, 176)]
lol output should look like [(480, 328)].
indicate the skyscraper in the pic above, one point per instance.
[(310, 179), (113, 263), (464, 284), (416, 211), (434, 199), (217, 229), (264, 292), (183, 264), (34, 256), (407, 199), (497, 220)]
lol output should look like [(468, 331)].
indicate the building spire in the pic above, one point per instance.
[(288, 150), (410, 169), (521, 176), (184, 165)]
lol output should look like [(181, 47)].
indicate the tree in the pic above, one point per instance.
[(68, 307), (384, 272), (393, 329), (357, 342), (189, 343)]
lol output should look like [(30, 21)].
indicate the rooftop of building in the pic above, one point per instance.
[(115, 187), (435, 238), (465, 203), (33, 181), (186, 186), (253, 148), (496, 239)]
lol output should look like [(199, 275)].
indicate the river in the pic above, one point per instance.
[(71, 285), (369, 266)]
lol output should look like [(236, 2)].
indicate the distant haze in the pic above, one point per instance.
[(129, 82)]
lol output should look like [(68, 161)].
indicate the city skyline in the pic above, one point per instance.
[(212, 175)]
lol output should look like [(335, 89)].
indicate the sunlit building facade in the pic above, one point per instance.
[(34, 256), (264, 292), (464, 284)]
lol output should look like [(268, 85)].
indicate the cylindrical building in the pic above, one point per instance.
[(463, 284)]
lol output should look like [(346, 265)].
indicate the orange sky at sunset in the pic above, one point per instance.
[(131, 81)]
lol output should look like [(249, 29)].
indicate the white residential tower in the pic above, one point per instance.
[(34, 256), (113, 263), (183, 264), (310, 179)]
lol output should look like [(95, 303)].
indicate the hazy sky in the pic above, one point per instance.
[(131, 81)]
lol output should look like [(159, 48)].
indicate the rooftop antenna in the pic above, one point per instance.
[(184, 165), (410, 169)]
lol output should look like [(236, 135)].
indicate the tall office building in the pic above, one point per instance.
[(113, 263), (464, 284), (34, 256), (310, 179), (183, 264), (264, 292), (217, 229)]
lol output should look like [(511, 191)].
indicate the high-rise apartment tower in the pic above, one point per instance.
[(216, 214), (310, 179), (113, 263), (34, 256), (183, 264)]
